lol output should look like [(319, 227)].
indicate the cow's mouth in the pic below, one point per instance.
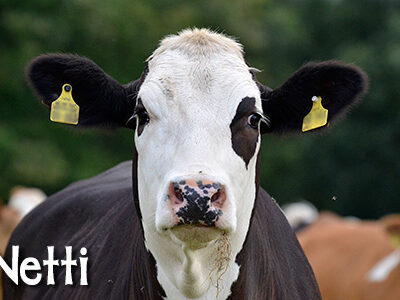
[(195, 236)]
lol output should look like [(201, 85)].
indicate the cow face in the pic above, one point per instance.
[(198, 117), (197, 114)]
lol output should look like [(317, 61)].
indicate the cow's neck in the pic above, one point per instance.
[(194, 274), (195, 267)]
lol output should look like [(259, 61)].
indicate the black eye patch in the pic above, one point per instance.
[(244, 137)]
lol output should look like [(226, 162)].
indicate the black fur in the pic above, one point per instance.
[(102, 100), (339, 85), (99, 214), (244, 138), (272, 262)]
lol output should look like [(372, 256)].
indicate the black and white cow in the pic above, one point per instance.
[(196, 223)]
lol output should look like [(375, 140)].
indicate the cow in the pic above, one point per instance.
[(9, 218), (354, 259), (22, 200), (186, 218), (300, 214)]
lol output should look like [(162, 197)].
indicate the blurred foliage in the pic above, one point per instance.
[(357, 162)]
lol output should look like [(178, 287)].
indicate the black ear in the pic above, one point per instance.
[(101, 99), (339, 85)]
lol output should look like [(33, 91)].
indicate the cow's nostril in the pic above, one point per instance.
[(174, 194), (178, 195), (215, 197), (218, 198)]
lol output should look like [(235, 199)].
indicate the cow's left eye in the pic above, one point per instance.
[(254, 120), (143, 117)]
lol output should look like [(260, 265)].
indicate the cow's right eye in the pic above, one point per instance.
[(143, 117), (254, 120)]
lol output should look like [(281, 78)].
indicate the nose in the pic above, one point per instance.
[(197, 202)]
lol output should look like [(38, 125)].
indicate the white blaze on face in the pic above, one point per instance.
[(195, 84)]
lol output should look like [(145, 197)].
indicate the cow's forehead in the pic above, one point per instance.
[(198, 68), (198, 43)]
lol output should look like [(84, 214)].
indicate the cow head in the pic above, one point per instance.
[(197, 113)]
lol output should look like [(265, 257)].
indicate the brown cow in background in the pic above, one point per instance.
[(22, 200), (353, 259), (9, 218)]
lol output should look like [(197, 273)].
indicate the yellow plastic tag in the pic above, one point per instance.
[(64, 109), (317, 117), (395, 240)]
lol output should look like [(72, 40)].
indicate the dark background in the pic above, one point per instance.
[(357, 161)]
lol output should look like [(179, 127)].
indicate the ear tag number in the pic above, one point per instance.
[(64, 109), (317, 117)]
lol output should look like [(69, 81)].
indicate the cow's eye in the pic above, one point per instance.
[(254, 120), (143, 117)]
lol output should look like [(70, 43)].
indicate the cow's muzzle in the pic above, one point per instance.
[(197, 202)]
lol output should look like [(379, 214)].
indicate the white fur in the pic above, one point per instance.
[(300, 212), (384, 267), (24, 199), (195, 83)]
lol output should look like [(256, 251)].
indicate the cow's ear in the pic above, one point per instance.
[(101, 99), (339, 86)]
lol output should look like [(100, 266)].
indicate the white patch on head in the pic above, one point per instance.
[(384, 267), (195, 83)]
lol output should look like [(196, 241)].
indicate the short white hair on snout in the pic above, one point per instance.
[(195, 84)]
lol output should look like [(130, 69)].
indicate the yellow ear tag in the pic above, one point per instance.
[(395, 240), (64, 109), (317, 117)]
